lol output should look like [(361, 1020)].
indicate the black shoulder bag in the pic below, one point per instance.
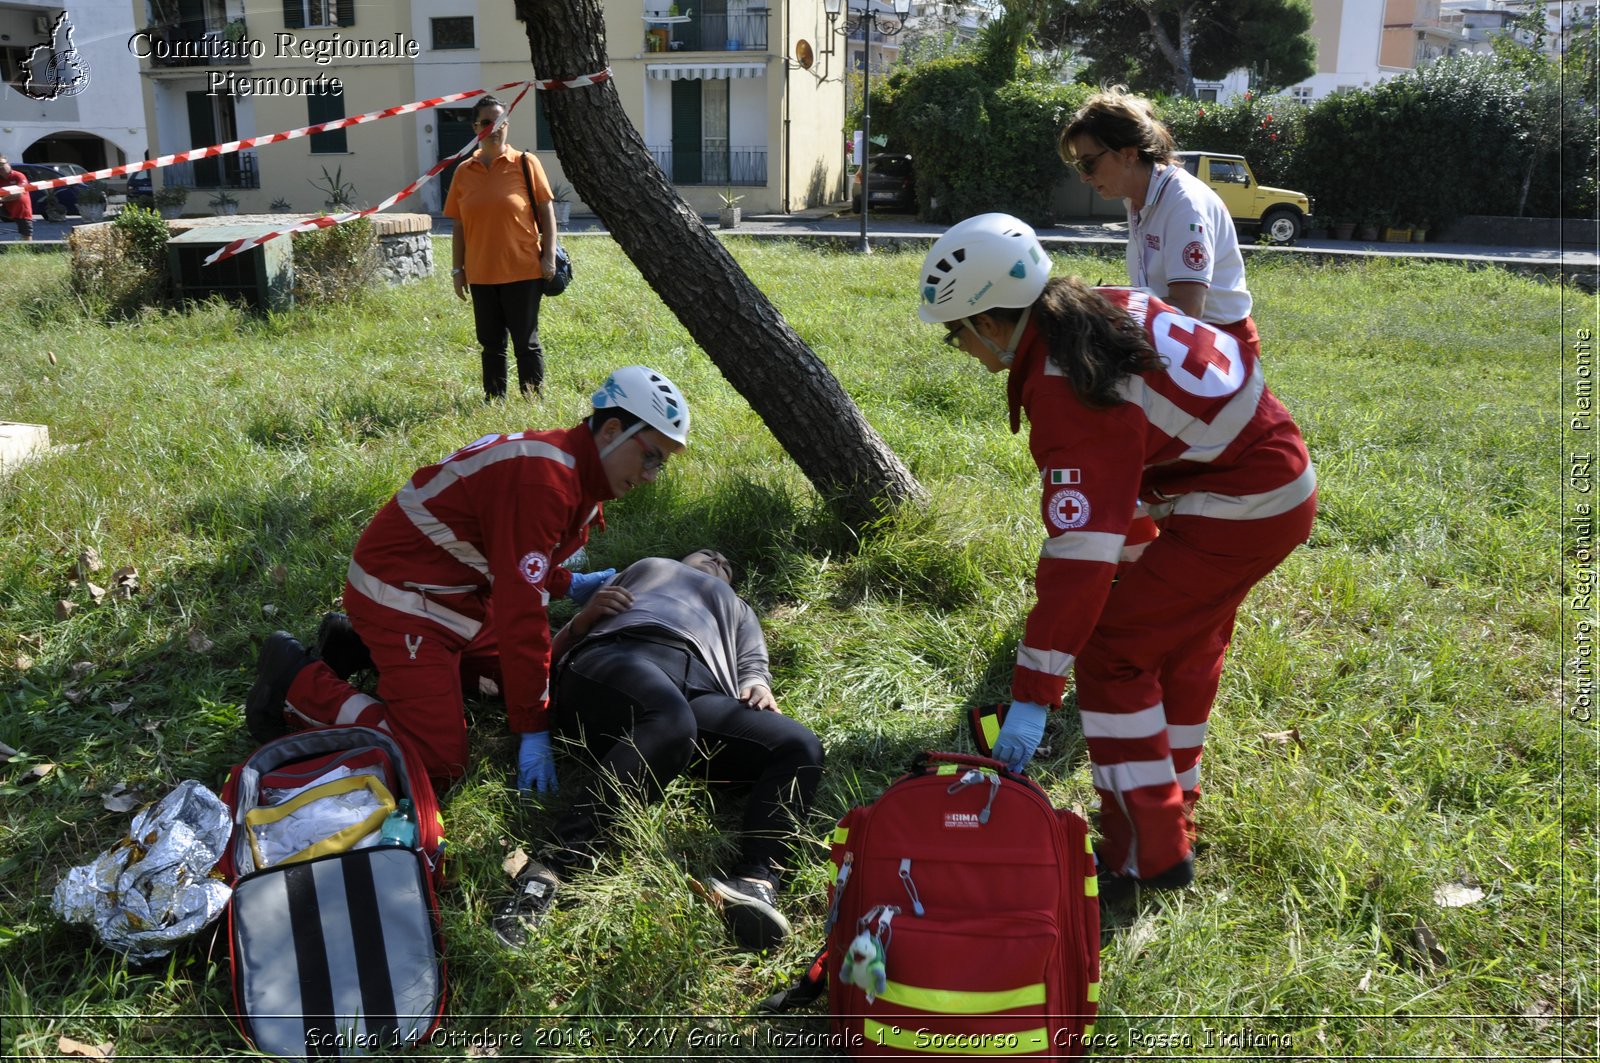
[(557, 282)]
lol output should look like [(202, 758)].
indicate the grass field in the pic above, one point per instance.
[(1413, 645)]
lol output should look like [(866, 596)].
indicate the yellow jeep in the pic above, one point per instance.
[(1282, 215)]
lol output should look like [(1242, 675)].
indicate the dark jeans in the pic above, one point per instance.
[(501, 308), (646, 711)]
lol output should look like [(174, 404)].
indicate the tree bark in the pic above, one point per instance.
[(1178, 55), (789, 387)]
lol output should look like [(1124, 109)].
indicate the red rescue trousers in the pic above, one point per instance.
[(1148, 675), (422, 672)]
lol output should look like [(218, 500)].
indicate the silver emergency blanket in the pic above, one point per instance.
[(153, 889)]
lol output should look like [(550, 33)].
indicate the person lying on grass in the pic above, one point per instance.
[(664, 669), (1128, 400)]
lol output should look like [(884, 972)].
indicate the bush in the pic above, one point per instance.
[(119, 268), (335, 264), (1004, 157), (1267, 130)]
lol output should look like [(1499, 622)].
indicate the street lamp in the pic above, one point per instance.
[(866, 20)]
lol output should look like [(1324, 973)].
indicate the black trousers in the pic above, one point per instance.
[(646, 711), (499, 309)]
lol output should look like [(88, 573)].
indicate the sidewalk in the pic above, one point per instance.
[(837, 226)]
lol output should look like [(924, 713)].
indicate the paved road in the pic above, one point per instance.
[(1107, 237)]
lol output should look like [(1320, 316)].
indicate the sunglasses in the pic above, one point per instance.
[(953, 337), (654, 460), (483, 123), (1086, 164)]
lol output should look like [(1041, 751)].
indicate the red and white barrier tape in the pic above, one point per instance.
[(328, 221), (293, 134)]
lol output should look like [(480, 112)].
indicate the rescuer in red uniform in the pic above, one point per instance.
[(1128, 401)]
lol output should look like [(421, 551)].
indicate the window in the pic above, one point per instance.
[(1227, 172), (1301, 93), (302, 14), (454, 32), (325, 108)]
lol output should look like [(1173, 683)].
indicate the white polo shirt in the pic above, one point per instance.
[(1184, 233)]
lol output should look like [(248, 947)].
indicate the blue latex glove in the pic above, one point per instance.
[(536, 763), (584, 584), (1020, 735)]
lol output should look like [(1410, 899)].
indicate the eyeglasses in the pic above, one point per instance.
[(1086, 164), (953, 337), (654, 460)]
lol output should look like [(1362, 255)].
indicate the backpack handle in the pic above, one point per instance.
[(919, 763)]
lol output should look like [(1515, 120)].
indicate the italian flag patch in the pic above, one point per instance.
[(1197, 228), (1065, 476)]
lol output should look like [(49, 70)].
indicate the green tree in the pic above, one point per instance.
[(1165, 45)]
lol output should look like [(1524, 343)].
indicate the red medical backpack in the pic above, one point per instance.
[(977, 902)]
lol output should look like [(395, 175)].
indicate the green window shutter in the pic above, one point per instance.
[(325, 108), (347, 12), (294, 14), (687, 165)]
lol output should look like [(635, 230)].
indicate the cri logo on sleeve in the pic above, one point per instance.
[(534, 565), (1068, 509)]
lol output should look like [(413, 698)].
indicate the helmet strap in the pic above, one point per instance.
[(1008, 353), (622, 436)]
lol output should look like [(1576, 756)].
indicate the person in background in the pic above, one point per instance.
[(18, 206), (1127, 399), (502, 245), (462, 564), (664, 668), (1182, 245)]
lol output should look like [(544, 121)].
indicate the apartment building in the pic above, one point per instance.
[(732, 93)]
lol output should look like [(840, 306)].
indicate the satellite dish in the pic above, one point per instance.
[(803, 54)]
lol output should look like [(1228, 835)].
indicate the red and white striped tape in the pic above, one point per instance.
[(328, 221), (293, 134)]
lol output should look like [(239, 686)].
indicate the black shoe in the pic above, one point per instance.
[(282, 657), (1116, 887), (750, 906), (518, 915), (341, 648)]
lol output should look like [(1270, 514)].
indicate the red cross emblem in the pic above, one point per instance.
[(1068, 509), (1202, 347)]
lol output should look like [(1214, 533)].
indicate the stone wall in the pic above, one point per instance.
[(1519, 232), (405, 257)]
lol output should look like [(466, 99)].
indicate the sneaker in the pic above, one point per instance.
[(282, 657), (1116, 887), (341, 648), (518, 915), (750, 906)]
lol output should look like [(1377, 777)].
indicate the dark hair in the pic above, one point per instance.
[(487, 101), (1119, 119), (599, 417), (1090, 339)]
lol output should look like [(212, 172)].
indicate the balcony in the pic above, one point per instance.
[(744, 32), (235, 170), (207, 41), (744, 166)]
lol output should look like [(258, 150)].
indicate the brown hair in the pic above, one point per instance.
[(1119, 119), (1090, 339)]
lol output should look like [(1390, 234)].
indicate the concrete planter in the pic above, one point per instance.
[(730, 217)]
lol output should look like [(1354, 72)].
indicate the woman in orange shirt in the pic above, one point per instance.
[(503, 245)]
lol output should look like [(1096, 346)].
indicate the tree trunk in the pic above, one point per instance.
[(1178, 55), (788, 386)]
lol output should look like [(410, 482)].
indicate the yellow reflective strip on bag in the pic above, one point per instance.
[(1018, 1042), (1088, 846), (948, 769), (991, 728), (1088, 1031), (963, 1001), (841, 835), (337, 842), (1091, 886), (1094, 992)]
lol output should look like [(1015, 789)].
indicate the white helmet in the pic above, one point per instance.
[(649, 396), (989, 261)]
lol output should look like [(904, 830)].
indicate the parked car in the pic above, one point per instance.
[(141, 190), (1281, 214), (890, 184), (51, 204)]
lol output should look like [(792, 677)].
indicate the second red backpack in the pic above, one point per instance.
[(964, 918)]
